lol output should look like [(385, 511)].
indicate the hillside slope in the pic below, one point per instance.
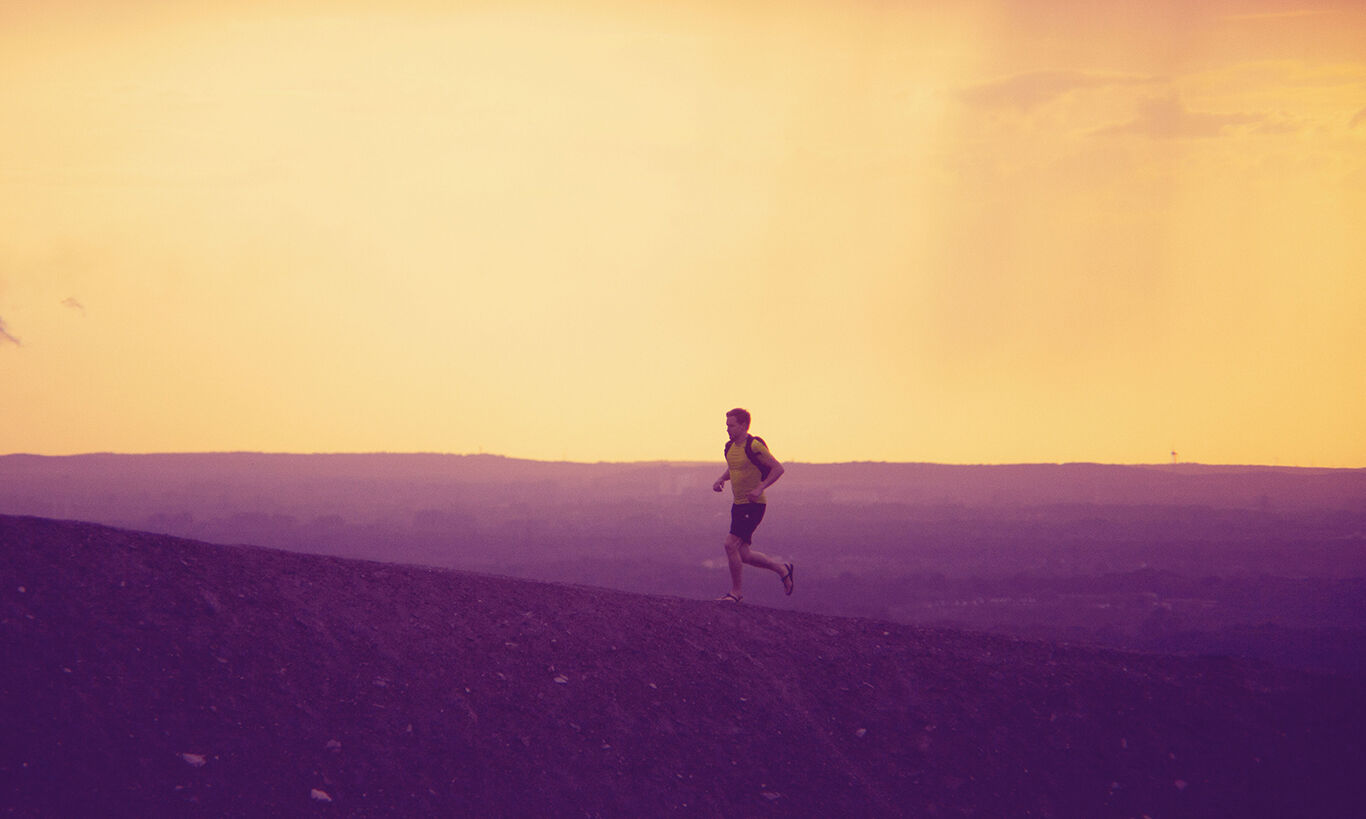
[(149, 675)]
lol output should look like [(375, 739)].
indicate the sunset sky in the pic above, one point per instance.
[(976, 232)]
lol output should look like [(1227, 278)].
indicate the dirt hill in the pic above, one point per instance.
[(149, 675)]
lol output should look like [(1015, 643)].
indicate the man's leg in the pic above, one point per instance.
[(763, 561), (733, 546)]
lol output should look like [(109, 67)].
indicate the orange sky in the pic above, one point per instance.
[(970, 233)]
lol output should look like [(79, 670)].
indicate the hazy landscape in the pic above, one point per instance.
[(1033, 298), (461, 635), (147, 675), (1258, 562)]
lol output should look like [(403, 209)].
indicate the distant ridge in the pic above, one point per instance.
[(150, 675), (32, 477)]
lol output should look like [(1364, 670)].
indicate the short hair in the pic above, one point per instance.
[(740, 415)]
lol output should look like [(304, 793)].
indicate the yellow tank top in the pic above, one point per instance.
[(744, 475)]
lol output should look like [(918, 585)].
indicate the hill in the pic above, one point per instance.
[(150, 675), (1257, 562)]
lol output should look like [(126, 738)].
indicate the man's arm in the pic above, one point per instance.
[(721, 481), (775, 471)]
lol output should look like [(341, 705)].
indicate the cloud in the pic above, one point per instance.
[(1030, 90), (1359, 120), (73, 304), (5, 336), (1275, 16), (1169, 119), (1278, 126)]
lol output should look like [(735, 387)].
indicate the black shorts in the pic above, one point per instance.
[(744, 519)]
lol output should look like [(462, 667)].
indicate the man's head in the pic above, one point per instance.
[(737, 423)]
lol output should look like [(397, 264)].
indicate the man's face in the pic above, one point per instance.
[(735, 429)]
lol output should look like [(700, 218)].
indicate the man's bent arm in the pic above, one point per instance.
[(775, 471)]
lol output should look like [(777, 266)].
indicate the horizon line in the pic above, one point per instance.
[(666, 461)]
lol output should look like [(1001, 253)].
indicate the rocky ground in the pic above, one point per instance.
[(148, 675)]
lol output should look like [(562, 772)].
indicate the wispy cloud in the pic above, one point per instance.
[(1279, 125), (1030, 90), (73, 304), (1359, 120), (5, 335), (1279, 15), (1169, 119)]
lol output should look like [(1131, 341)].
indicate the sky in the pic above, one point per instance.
[(995, 231)]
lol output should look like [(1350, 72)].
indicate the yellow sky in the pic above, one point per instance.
[(972, 233)]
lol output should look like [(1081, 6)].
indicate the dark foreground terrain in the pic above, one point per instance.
[(149, 675)]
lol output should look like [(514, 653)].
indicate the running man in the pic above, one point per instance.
[(751, 469)]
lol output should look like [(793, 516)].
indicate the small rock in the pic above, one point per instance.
[(1180, 784), (861, 733), (333, 745), (771, 796), (194, 760), (22, 590), (319, 796), (561, 679)]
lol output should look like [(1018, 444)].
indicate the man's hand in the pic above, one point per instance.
[(719, 485)]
